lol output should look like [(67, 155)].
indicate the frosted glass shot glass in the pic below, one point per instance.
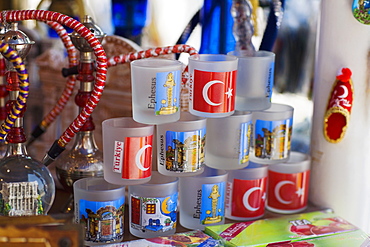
[(153, 207), (181, 146), (128, 151), (288, 184), (99, 207), (202, 199), (246, 192), (255, 80), (155, 85), (272, 131), (212, 85), (228, 141)]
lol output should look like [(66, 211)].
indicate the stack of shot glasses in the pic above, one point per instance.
[(227, 155)]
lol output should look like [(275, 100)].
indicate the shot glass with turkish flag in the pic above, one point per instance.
[(212, 85), (128, 151), (288, 184), (246, 192)]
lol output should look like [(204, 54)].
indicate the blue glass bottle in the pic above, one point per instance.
[(217, 27), (129, 18)]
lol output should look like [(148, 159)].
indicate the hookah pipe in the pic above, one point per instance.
[(68, 90), (101, 69), (31, 178)]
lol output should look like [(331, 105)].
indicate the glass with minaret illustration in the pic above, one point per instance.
[(203, 199), (156, 85)]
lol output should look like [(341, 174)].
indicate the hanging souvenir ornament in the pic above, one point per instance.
[(339, 107), (361, 11)]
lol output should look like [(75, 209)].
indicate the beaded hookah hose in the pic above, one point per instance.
[(68, 89), (20, 103), (101, 69), (3, 93)]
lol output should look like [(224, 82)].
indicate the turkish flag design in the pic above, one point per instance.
[(248, 198), (214, 92), (288, 191), (137, 161)]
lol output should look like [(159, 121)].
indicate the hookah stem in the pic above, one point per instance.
[(243, 28), (188, 30), (20, 103), (101, 70), (273, 24), (68, 90)]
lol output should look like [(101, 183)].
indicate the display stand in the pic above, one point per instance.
[(340, 171)]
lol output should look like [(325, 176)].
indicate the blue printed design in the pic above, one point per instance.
[(154, 214), (245, 135), (185, 150), (103, 221), (272, 139), (213, 203), (167, 92)]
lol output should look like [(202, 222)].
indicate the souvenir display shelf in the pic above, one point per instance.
[(62, 196)]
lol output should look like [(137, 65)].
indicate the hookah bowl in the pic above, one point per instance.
[(27, 187), (17, 40), (84, 159), (80, 43)]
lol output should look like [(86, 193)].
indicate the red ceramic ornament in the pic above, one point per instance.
[(339, 107)]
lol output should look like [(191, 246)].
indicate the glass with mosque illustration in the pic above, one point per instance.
[(180, 146), (202, 199), (272, 132), (228, 141), (155, 85), (212, 85), (99, 207), (153, 207)]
